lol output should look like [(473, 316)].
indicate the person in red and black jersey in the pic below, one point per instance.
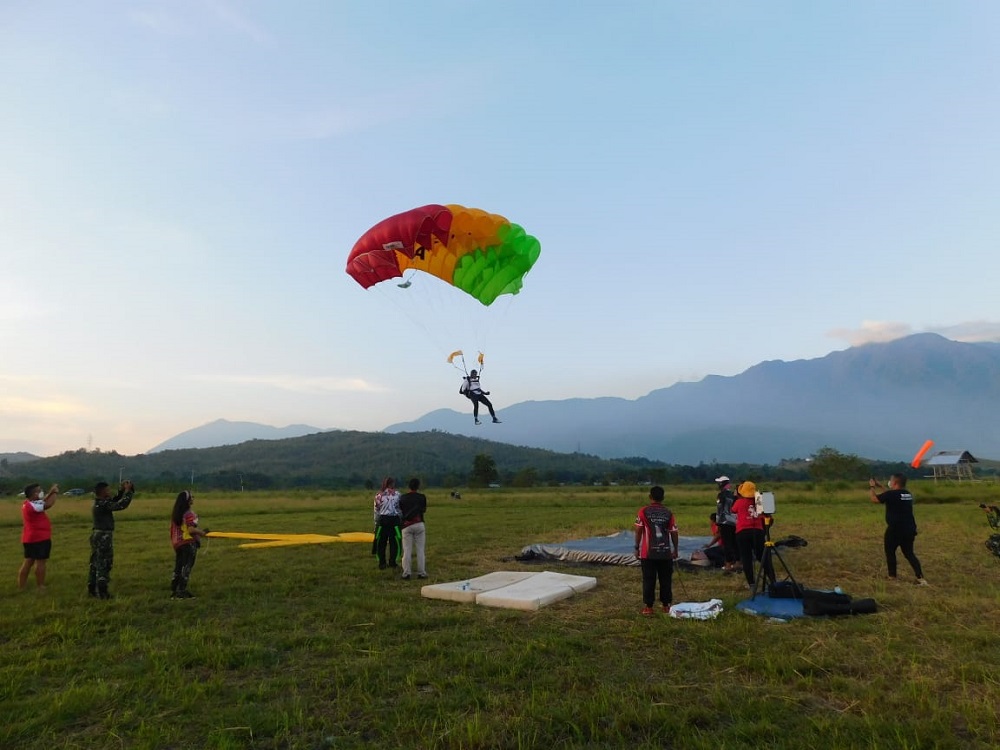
[(656, 546)]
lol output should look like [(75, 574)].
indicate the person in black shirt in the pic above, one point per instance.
[(412, 507), (900, 525)]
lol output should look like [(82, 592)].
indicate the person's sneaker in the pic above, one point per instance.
[(922, 582), (647, 611), (421, 575), (381, 566), (182, 595), (478, 422), (666, 609), (496, 421), (405, 576)]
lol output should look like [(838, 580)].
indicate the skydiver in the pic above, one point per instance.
[(471, 389)]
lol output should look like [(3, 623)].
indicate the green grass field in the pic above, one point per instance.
[(313, 647)]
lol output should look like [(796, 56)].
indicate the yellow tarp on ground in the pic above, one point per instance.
[(288, 540)]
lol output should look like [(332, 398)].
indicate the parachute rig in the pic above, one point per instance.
[(458, 356)]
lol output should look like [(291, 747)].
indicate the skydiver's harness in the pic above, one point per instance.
[(470, 387)]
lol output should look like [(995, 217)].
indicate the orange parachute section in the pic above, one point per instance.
[(915, 463)]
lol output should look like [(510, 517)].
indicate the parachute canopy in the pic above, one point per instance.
[(483, 254)]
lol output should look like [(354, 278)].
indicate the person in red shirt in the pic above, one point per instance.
[(656, 546), (750, 536), (37, 533)]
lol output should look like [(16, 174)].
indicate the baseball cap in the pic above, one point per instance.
[(722, 480)]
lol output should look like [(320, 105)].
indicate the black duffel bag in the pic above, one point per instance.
[(816, 602)]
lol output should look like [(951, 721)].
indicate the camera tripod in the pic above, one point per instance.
[(765, 568)]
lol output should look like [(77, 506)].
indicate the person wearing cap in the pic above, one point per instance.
[(36, 536), (750, 536), (726, 520)]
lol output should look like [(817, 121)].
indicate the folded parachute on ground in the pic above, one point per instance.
[(483, 254)]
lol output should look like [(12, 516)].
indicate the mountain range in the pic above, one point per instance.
[(223, 432), (879, 400)]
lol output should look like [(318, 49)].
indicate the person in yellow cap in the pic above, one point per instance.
[(750, 532)]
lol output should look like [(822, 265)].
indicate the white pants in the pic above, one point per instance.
[(414, 536)]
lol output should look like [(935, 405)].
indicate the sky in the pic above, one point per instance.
[(713, 185)]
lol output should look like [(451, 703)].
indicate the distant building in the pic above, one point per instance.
[(955, 465)]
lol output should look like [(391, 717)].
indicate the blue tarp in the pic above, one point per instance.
[(765, 606)]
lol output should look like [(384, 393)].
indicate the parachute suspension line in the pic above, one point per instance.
[(458, 355), (461, 252), (416, 309)]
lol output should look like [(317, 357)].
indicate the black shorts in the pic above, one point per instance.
[(37, 550)]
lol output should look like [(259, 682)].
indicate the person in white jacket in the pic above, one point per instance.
[(472, 390), (387, 523)]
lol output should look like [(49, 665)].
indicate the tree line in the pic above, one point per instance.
[(350, 460)]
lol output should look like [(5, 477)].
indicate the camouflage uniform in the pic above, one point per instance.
[(102, 552)]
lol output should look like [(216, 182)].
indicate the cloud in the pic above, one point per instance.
[(971, 332), (320, 125), (235, 21), (171, 23), (33, 397), (17, 405), (375, 108), (872, 331), (158, 20), (300, 384), (880, 331)]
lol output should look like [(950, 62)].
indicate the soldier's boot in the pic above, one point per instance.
[(102, 591)]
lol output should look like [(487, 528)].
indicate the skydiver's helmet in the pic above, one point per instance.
[(473, 374)]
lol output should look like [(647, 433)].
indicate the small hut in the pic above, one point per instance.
[(956, 465)]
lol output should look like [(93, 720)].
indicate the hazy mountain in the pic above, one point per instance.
[(222, 432), (13, 458), (879, 401)]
